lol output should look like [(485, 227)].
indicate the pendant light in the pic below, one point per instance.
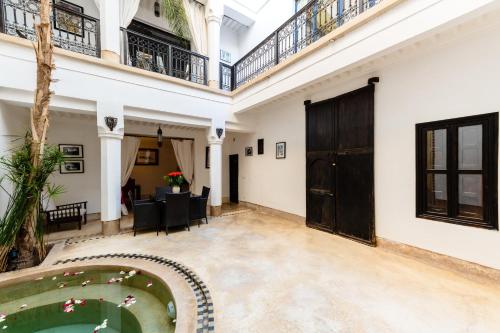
[(159, 136), (157, 8)]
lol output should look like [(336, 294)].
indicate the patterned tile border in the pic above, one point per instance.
[(205, 311), (86, 238)]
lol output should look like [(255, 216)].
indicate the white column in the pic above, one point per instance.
[(111, 144), (109, 15), (215, 144), (214, 10)]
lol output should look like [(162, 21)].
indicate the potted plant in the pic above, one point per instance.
[(175, 179)]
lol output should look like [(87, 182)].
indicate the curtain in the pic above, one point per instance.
[(184, 154), (195, 13), (130, 147), (128, 9)]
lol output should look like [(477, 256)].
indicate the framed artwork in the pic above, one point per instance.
[(66, 21), (72, 166), (71, 151), (280, 150), (260, 146), (248, 151), (207, 157), (147, 156)]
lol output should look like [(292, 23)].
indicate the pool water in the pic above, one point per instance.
[(105, 301)]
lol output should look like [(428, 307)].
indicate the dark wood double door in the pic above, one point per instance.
[(340, 185)]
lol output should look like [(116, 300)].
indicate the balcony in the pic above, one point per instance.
[(315, 20), (157, 56), (71, 30)]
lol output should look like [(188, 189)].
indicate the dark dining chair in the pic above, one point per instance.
[(175, 210), (161, 191), (198, 206), (146, 215)]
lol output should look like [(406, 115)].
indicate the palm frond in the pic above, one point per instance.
[(176, 16)]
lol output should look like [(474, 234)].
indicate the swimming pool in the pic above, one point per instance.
[(105, 300)]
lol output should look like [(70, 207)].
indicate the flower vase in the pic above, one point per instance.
[(176, 189)]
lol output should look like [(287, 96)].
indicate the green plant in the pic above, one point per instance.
[(175, 14), (175, 178), (30, 186)]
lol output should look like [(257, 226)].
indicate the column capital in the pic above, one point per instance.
[(214, 11), (215, 141), (109, 135)]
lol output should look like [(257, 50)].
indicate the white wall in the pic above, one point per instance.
[(79, 186), (146, 14), (229, 43), (14, 123), (460, 78), (269, 18)]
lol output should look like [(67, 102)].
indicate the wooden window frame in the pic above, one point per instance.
[(489, 170)]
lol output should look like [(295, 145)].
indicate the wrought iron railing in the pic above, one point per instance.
[(157, 56), (225, 77), (316, 19), (71, 30)]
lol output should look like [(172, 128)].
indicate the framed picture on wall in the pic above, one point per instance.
[(72, 166), (207, 157), (147, 156), (248, 151), (71, 151), (280, 150)]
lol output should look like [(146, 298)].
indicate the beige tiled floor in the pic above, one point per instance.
[(268, 274)]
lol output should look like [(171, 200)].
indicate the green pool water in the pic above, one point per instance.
[(92, 298)]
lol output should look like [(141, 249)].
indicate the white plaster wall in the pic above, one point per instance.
[(268, 19), (146, 14), (229, 43), (89, 7), (79, 186), (460, 78), (14, 122)]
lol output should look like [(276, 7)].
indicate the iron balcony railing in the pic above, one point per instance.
[(157, 56), (225, 77), (316, 19), (71, 30)]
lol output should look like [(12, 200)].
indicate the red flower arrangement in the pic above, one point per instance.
[(175, 178)]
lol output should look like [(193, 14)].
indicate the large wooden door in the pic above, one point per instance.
[(354, 171), (320, 166), (340, 195)]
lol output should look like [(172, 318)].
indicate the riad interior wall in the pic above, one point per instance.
[(201, 174), (269, 18), (79, 186), (459, 79), (151, 176), (14, 123), (263, 179)]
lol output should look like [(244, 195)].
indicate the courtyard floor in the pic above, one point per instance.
[(270, 274)]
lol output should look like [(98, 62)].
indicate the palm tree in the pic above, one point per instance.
[(32, 234)]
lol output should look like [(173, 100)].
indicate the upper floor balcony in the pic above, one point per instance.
[(314, 20), (143, 46), (149, 47)]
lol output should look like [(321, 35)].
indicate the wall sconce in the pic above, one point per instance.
[(219, 132), (159, 134), (111, 122), (157, 8)]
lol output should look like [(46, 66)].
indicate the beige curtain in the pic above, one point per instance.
[(184, 154), (130, 147), (128, 9), (195, 13)]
